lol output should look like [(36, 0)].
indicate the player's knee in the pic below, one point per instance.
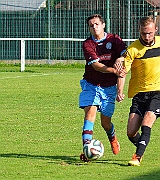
[(131, 134)]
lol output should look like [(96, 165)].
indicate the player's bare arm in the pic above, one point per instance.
[(105, 69), (120, 86)]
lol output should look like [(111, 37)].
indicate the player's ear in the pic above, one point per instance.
[(104, 25), (156, 28)]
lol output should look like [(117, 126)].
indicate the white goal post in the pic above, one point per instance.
[(22, 40)]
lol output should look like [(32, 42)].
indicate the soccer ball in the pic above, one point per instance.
[(93, 150)]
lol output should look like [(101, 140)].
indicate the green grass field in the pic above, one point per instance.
[(40, 130)]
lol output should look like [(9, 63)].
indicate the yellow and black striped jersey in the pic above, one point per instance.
[(144, 62)]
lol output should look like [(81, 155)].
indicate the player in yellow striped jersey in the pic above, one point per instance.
[(142, 58)]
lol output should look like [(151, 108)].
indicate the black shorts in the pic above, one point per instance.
[(146, 101)]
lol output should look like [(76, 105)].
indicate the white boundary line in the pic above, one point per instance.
[(33, 75), (46, 39), (41, 39)]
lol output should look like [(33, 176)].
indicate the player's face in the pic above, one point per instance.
[(96, 28), (147, 33)]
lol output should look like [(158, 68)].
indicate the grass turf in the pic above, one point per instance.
[(40, 130)]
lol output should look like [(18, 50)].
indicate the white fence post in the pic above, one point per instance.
[(22, 55)]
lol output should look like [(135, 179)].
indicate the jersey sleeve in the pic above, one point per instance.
[(129, 56), (89, 52), (119, 44)]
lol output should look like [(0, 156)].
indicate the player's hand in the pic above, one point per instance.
[(118, 65), (120, 97), (122, 73)]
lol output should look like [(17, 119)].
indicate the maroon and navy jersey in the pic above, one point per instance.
[(105, 51)]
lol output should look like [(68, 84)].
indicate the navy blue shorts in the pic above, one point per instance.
[(146, 101)]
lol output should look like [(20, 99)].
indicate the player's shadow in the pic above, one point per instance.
[(119, 162), (64, 160), (50, 159)]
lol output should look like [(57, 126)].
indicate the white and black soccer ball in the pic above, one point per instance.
[(93, 150)]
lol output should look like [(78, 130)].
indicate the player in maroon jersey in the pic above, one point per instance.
[(99, 83)]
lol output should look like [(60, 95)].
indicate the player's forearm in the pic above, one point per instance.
[(102, 68), (105, 69), (120, 85)]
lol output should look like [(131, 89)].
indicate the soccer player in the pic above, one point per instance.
[(143, 57), (99, 81)]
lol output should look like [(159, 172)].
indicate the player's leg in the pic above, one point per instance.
[(134, 123), (137, 110), (107, 109), (87, 130), (89, 119), (144, 139), (110, 131), (88, 97), (152, 107), (152, 113)]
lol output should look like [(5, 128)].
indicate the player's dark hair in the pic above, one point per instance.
[(95, 16)]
